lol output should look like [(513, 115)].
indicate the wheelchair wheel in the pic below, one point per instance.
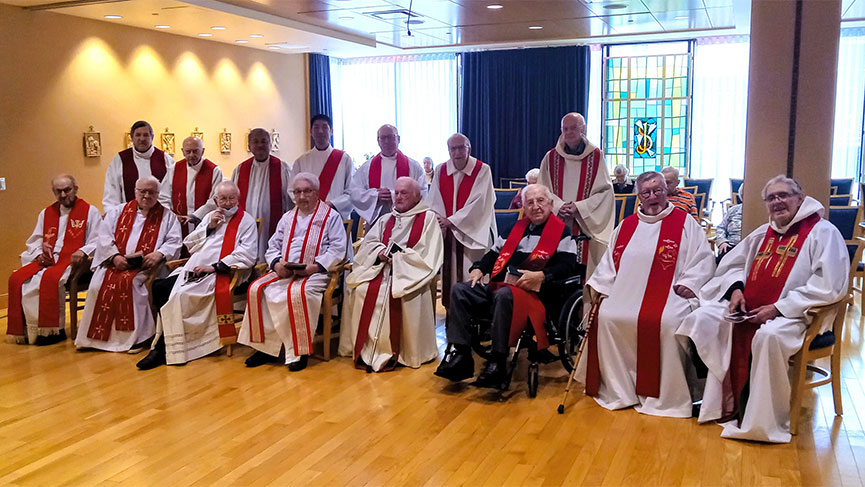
[(482, 342), (571, 329), (533, 380)]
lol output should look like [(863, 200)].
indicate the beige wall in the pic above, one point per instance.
[(62, 74)]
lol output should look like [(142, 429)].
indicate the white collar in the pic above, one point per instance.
[(809, 206), (654, 218), (146, 154)]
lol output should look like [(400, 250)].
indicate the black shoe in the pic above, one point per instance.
[(154, 359), (259, 358), (456, 365), (140, 346), (494, 374), (299, 365), (41, 341)]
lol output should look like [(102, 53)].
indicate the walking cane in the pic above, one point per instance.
[(587, 323)]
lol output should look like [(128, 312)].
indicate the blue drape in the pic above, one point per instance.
[(513, 102), (319, 85)]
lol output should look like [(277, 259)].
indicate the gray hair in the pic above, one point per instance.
[(312, 179), (227, 184), (468, 142), (621, 169), (412, 182), (536, 187), (258, 130), (670, 169), (534, 172), (58, 177), (794, 185), (646, 176), (148, 179)]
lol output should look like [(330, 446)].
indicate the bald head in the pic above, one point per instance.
[(671, 178), (193, 150), (388, 140), (573, 129), (406, 194), (226, 194), (259, 143), (65, 189)]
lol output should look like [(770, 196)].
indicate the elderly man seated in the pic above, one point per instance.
[(65, 234), (283, 305), (622, 184), (390, 309), (538, 251), (677, 196), (657, 260), (136, 236), (753, 315), (199, 311)]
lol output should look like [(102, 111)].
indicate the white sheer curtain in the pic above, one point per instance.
[(417, 94), (849, 94), (719, 111), (593, 118)]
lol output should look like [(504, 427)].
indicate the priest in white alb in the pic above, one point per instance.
[(263, 180), (283, 305), (66, 233), (199, 315), (389, 315), (752, 318), (463, 198), (133, 239), (129, 165), (333, 167), (648, 278), (190, 183), (373, 183), (576, 173)]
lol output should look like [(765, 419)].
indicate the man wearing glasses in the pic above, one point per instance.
[(373, 183), (647, 279), (752, 318)]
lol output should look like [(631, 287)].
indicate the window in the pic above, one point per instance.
[(647, 106)]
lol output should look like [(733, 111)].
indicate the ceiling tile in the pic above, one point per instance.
[(617, 7), (683, 19), (633, 23), (721, 17), (661, 6), (854, 10)]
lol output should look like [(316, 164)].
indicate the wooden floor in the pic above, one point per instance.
[(91, 418)]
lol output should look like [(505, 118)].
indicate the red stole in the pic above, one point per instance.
[(114, 303), (224, 306), (49, 305), (275, 180), (766, 279), (370, 302), (203, 187), (527, 305), (446, 189), (655, 297), (588, 173), (328, 172), (375, 169), (130, 170)]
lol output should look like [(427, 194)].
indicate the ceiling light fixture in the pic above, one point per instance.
[(241, 41), (113, 16), (255, 35), (275, 48), (162, 26), (346, 17), (495, 6), (205, 34), (681, 17), (535, 27), (218, 27), (615, 6)]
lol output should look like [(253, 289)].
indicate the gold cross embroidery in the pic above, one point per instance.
[(762, 258), (225, 319), (785, 251)]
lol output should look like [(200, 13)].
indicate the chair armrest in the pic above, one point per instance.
[(82, 267), (174, 264), (819, 314)]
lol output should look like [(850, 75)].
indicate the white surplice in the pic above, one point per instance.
[(407, 278), (168, 242), (365, 199), (819, 276), (274, 300), (597, 210), (188, 319), (313, 162), (30, 288), (167, 186), (475, 223), (113, 194), (617, 317)]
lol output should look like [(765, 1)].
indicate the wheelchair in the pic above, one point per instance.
[(565, 333)]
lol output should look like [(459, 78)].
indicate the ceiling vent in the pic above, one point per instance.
[(396, 14)]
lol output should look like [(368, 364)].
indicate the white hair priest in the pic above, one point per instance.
[(135, 237), (389, 316), (648, 278), (283, 305), (752, 318), (199, 314)]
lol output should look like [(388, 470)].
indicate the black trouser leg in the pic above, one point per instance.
[(162, 291), (503, 309), (466, 302)]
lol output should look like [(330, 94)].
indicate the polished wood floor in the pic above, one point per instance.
[(91, 418)]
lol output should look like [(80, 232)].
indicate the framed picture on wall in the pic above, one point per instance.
[(167, 139), (225, 141), (92, 143)]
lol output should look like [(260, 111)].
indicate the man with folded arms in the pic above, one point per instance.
[(65, 234)]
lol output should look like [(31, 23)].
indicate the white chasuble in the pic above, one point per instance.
[(364, 196)]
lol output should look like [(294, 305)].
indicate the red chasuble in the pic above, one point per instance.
[(370, 302), (114, 302), (224, 306), (328, 172), (527, 305), (49, 305), (655, 297), (375, 169), (446, 189), (130, 170), (588, 173), (275, 187), (766, 280)]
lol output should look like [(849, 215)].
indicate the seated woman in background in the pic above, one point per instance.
[(622, 184), (531, 178)]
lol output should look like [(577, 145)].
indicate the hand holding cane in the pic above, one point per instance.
[(587, 324)]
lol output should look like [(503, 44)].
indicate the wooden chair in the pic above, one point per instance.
[(626, 205), (79, 279), (505, 221), (846, 219), (335, 277), (504, 198), (690, 189), (841, 185), (515, 184), (840, 200)]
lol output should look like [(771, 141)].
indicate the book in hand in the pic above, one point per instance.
[(738, 317), (513, 275), (393, 248), (135, 261), (294, 266)]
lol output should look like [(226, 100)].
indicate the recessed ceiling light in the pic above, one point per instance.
[(255, 35), (535, 27), (495, 6), (615, 6), (162, 26), (241, 41), (113, 17), (205, 34), (275, 48), (218, 27), (346, 17), (630, 21), (681, 17)]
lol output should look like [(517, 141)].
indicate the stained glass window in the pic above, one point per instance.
[(647, 100)]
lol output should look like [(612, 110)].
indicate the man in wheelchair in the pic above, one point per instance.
[(538, 252)]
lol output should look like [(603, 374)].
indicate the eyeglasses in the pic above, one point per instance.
[(649, 192), (458, 148), (302, 192), (777, 197), (388, 138), (536, 202)]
